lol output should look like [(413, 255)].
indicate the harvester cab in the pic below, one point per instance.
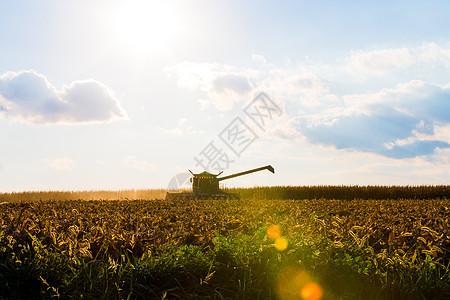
[(206, 185)]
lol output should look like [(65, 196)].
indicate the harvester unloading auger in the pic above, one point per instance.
[(206, 186)]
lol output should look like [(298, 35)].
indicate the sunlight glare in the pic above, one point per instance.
[(146, 26), (311, 291), (295, 283), (281, 244), (274, 232)]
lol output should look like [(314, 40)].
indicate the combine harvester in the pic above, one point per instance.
[(206, 186)]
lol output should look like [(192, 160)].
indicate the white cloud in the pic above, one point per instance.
[(60, 163), (223, 84), (181, 129), (442, 132), (29, 97), (258, 58), (284, 128), (204, 104), (392, 102), (298, 81), (237, 83), (393, 60), (434, 55), (174, 131), (442, 158), (407, 121), (380, 62), (144, 166)]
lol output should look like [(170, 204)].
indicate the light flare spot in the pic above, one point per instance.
[(295, 283), (311, 291), (274, 232), (281, 244)]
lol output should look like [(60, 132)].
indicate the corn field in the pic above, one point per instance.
[(399, 247)]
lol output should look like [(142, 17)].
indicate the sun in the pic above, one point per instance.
[(146, 26)]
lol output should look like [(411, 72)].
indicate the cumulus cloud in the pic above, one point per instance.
[(433, 54), (385, 61), (258, 58), (232, 83), (393, 102), (144, 166), (223, 84), (60, 163), (181, 129), (177, 131), (398, 123), (29, 97), (382, 61)]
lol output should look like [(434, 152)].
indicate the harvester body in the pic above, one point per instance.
[(206, 186)]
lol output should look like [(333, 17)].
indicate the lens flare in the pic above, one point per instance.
[(281, 244), (274, 232), (295, 283), (311, 291)]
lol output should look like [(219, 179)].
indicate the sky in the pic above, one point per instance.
[(108, 95)]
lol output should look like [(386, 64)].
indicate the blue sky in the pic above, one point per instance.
[(128, 94)]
